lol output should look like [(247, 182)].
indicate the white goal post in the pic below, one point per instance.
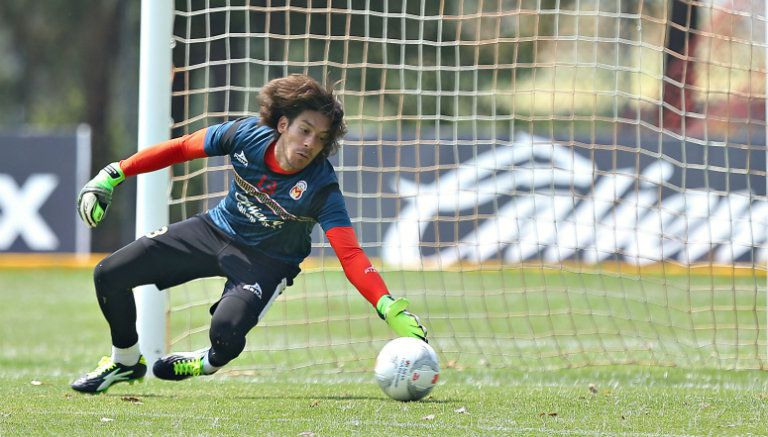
[(552, 183), (152, 188)]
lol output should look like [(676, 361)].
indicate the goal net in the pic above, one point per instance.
[(551, 183)]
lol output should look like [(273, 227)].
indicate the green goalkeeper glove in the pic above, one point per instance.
[(401, 321), (96, 195)]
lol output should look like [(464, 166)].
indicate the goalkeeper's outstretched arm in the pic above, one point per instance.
[(369, 283), (96, 196)]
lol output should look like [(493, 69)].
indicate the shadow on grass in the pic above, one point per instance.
[(344, 398), (133, 397)]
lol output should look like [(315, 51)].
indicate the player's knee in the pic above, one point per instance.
[(104, 276), (227, 341)]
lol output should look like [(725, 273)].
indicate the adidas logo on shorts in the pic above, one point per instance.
[(254, 288)]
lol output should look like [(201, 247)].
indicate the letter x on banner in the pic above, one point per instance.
[(40, 175)]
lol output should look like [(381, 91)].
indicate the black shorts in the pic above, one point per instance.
[(196, 248)]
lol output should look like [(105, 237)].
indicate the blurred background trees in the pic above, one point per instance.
[(67, 62)]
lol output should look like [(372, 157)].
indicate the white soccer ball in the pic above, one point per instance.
[(407, 369)]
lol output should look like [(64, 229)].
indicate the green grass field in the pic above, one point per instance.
[(52, 331)]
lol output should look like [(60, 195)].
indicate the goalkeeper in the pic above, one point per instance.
[(256, 237)]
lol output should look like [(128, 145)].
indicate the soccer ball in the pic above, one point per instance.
[(407, 369)]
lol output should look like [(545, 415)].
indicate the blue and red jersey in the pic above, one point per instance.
[(274, 212)]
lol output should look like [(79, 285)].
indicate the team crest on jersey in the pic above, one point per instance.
[(298, 190)]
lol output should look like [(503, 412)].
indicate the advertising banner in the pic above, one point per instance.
[(636, 198), (40, 176)]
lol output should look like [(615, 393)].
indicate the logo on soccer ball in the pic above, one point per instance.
[(407, 369), (298, 190)]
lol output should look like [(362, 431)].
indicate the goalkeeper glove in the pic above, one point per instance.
[(96, 195), (401, 321)]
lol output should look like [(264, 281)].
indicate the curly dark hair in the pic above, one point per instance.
[(291, 95)]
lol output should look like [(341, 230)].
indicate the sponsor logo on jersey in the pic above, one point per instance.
[(254, 214), (240, 157), (267, 201), (254, 288), (298, 190), (370, 269)]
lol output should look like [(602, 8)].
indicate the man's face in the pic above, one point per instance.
[(302, 140)]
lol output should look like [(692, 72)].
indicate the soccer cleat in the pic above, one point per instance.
[(108, 373), (180, 366)]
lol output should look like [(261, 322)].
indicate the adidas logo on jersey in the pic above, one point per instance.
[(240, 157)]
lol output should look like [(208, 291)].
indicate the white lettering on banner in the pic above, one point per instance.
[(746, 234), (19, 211), (715, 229), (620, 213), (471, 185), (579, 231)]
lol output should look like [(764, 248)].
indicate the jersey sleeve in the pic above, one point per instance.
[(331, 209), (221, 139)]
